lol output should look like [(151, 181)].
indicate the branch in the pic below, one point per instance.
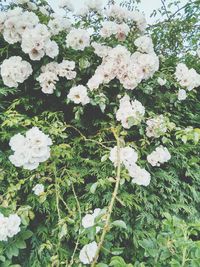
[(165, 8), (112, 202)]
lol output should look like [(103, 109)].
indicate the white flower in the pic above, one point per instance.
[(66, 4), (30, 150), (3, 228), (78, 94), (156, 126), (13, 226), (161, 81), (187, 78), (15, 22), (36, 42), (130, 112), (198, 52), (51, 73), (88, 221), (88, 253), (159, 156), (66, 69), (128, 156), (15, 70), (10, 226), (78, 39), (38, 189), (144, 44), (58, 24), (17, 141), (51, 49), (112, 28), (94, 5), (48, 81), (140, 176), (95, 81), (182, 95), (83, 11), (139, 19)]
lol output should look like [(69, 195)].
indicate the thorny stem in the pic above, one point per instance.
[(112, 202)]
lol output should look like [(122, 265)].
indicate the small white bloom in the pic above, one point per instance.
[(130, 112), (78, 39), (144, 44), (38, 189), (156, 126), (30, 150), (161, 81), (159, 156), (140, 176), (79, 95), (198, 52), (128, 156), (88, 253), (182, 95), (51, 49), (10, 226), (66, 4), (15, 70)]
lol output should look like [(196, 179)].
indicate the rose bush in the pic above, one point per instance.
[(99, 135)]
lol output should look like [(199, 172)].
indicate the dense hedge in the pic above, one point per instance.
[(154, 225)]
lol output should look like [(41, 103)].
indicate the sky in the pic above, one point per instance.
[(146, 6)]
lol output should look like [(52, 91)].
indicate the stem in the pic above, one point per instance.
[(58, 211), (57, 195), (80, 218), (165, 8), (184, 256), (112, 202), (87, 139)]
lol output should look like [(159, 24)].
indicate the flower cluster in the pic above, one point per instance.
[(156, 126), (78, 39), (88, 253), (130, 112), (129, 69), (187, 78), (159, 156), (128, 156), (30, 150), (109, 28), (38, 189), (51, 73), (9, 226), (36, 42), (15, 22), (120, 14), (15, 70), (78, 94)]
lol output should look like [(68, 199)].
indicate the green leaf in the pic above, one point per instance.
[(119, 223)]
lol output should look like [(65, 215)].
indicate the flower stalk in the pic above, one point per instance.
[(112, 202)]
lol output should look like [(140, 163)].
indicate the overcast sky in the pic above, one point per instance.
[(147, 6)]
